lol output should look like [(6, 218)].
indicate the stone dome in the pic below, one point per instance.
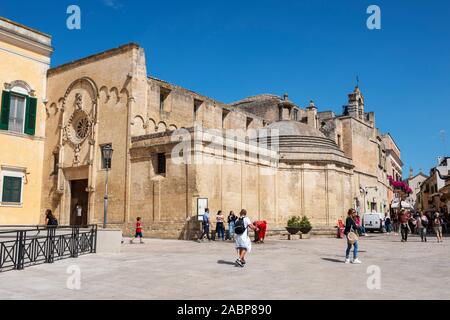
[(299, 142), (295, 128)]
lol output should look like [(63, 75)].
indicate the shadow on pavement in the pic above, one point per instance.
[(227, 263), (333, 260)]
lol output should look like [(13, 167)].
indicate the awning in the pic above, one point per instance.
[(405, 205)]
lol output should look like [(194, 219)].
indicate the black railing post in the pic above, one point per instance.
[(91, 239), (20, 242), (75, 240), (50, 247), (94, 239), (16, 251)]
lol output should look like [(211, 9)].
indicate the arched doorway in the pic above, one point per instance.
[(79, 203)]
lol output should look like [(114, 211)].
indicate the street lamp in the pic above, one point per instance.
[(107, 152)]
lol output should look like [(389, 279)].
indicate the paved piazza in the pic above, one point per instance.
[(307, 269)]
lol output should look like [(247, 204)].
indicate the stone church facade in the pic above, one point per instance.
[(173, 148)]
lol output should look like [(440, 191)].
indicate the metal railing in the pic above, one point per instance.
[(33, 245)]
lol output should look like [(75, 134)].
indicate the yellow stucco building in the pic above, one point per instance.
[(24, 59)]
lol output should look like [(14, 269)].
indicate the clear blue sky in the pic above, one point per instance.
[(310, 49)]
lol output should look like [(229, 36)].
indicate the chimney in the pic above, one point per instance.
[(311, 112), (286, 97)]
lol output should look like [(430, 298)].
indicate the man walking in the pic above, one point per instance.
[(206, 222)]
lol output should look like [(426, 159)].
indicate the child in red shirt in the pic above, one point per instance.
[(262, 230), (261, 233), (138, 231)]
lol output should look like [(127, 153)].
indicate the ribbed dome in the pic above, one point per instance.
[(295, 128), (299, 142)]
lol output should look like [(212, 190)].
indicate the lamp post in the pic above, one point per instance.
[(107, 152)]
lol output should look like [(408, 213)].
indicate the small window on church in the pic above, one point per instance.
[(249, 123), (161, 102), (161, 165), (225, 113), (197, 105), (164, 93)]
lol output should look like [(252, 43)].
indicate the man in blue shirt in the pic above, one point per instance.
[(206, 222)]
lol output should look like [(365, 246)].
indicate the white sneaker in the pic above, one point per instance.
[(347, 261), (357, 261)]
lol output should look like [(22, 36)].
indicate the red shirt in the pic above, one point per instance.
[(138, 226), (403, 218)]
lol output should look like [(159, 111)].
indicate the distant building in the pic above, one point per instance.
[(394, 167), (435, 190), (24, 61), (415, 183)]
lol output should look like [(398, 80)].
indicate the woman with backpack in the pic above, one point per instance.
[(50, 219), (243, 242)]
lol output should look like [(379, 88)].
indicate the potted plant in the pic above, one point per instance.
[(305, 226), (293, 225)]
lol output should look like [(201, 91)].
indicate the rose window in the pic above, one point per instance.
[(82, 128), (79, 127)]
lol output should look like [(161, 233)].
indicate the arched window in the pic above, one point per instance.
[(18, 108)]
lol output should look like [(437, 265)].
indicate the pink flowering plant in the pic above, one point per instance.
[(400, 185)]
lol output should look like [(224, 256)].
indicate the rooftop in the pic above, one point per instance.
[(7, 22), (25, 37), (93, 58)]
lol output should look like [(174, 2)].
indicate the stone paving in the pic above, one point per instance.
[(305, 269)]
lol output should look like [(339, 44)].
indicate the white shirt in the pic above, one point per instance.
[(247, 222)]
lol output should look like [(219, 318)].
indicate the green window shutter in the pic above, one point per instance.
[(30, 117), (4, 113), (12, 189)]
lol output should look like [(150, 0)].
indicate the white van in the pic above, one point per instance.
[(373, 221)]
